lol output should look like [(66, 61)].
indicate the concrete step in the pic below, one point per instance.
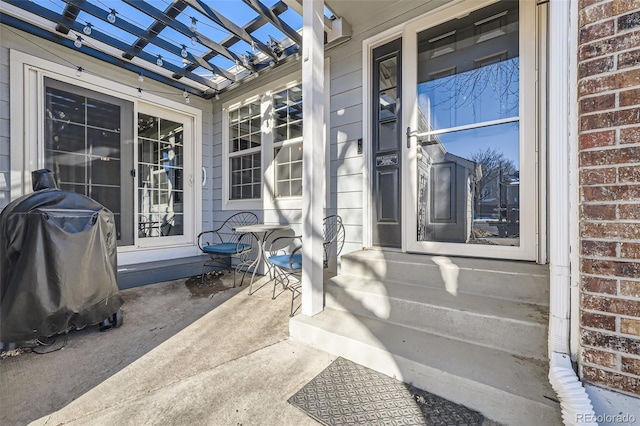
[(512, 280), (515, 327), (509, 389)]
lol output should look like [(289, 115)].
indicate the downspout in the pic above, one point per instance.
[(575, 404)]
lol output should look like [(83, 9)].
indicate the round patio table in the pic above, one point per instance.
[(260, 231)]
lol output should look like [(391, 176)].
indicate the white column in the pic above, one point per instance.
[(313, 160)]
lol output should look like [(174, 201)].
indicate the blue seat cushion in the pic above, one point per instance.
[(282, 261), (226, 248)]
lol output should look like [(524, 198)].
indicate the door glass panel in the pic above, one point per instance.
[(83, 147), (160, 183), (468, 149)]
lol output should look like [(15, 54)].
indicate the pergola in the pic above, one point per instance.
[(204, 47)]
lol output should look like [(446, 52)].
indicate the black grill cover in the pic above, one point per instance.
[(58, 265)]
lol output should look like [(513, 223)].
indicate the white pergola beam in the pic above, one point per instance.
[(313, 160)]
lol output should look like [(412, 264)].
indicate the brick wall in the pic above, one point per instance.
[(609, 158)]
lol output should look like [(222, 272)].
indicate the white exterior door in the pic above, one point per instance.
[(470, 155)]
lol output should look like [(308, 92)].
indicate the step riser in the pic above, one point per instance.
[(529, 288), (516, 337), (495, 404)]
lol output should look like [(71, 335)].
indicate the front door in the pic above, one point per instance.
[(469, 148), (387, 145)]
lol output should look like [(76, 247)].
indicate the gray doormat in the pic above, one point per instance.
[(346, 393)]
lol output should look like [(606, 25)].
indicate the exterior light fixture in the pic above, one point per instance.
[(139, 92), (275, 46), (187, 100), (184, 52), (272, 63), (78, 42), (111, 17), (217, 96), (79, 71), (159, 61), (87, 29), (140, 77), (185, 94), (194, 41), (194, 25), (247, 60)]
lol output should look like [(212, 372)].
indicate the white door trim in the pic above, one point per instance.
[(528, 249)]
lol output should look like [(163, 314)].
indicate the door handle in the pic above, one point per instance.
[(410, 134)]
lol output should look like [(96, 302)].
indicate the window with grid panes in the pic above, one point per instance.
[(287, 142), (245, 149)]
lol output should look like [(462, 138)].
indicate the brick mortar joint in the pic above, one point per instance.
[(613, 55), (607, 278), (609, 314), (612, 129), (609, 351), (610, 370), (614, 109)]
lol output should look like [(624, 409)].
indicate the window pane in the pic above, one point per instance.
[(476, 176), (282, 189), (65, 106), (103, 115), (288, 170), (147, 126), (68, 168), (105, 171), (296, 170), (388, 105), (296, 188), (246, 176), (161, 165), (104, 143), (388, 77), (108, 196), (282, 172), (287, 114), (474, 76), (61, 136)]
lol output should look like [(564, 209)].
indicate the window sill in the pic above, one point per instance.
[(252, 204)]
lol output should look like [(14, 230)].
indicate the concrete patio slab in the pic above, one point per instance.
[(177, 359)]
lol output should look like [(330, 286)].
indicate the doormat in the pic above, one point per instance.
[(346, 393)]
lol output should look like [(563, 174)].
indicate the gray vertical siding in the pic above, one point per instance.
[(5, 166)]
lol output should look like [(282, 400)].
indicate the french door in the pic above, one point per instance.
[(142, 173), (469, 168)]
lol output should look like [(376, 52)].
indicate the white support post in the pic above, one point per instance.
[(313, 159)]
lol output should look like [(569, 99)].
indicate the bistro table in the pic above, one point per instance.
[(260, 231)]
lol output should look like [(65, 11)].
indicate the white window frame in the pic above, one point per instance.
[(27, 73), (267, 199)]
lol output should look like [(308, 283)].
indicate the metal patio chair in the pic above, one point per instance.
[(224, 243), (287, 261)]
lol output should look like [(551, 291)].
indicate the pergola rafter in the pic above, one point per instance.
[(157, 42)]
